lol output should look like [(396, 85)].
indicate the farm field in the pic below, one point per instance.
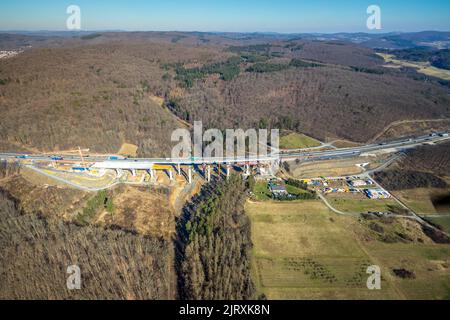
[(422, 67), (304, 251), (429, 262)]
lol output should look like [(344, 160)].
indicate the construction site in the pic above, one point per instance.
[(92, 172)]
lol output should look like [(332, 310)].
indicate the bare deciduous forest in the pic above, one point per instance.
[(101, 91), (424, 167), (36, 252)]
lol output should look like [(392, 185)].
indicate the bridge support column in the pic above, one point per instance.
[(271, 168), (179, 169), (228, 171), (133, 172), (152, 175), (170, 175), (247, 169), (208, 173), (190, 175)]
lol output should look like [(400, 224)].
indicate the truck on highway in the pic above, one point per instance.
[(115, 158), (22, 157), (57, 158)]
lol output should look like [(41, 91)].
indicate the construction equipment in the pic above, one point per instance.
[(82, 158), (161, 167)]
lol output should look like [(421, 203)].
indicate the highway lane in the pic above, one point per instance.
[(409, 143), (305, 156)]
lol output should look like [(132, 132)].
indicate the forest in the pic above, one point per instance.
[(214, 243), (37, 250), (424, 167), (99, 91)]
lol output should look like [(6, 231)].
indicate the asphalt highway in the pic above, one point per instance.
[(136, 163)]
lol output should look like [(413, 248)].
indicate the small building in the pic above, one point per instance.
[(377, 194), (314, 183), (357, 183), (278, 190)]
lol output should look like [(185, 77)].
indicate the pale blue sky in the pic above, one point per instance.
[(227, 15)]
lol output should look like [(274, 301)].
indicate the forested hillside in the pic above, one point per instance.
[(322, 102), (214, 244), (99, 91), (96, 96), (36, 252), (425, 167)]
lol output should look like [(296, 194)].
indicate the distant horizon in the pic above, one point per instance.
[(381, 32), (230, 16)]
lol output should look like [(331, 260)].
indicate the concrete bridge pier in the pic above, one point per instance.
[(170, 174), (119, 173), (228, 171), (152, 175), (247, 169), (270, 169), (208, 173), (190, 175), (133, 172), (179, 169)]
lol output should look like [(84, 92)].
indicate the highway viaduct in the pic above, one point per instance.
[(270, 162)]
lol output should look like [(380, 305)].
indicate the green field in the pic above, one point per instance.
[(361, 205), (298, 141), (300, 253), (430, 263), (261, 191), (304, 251), (294, 190), (443, 222)]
